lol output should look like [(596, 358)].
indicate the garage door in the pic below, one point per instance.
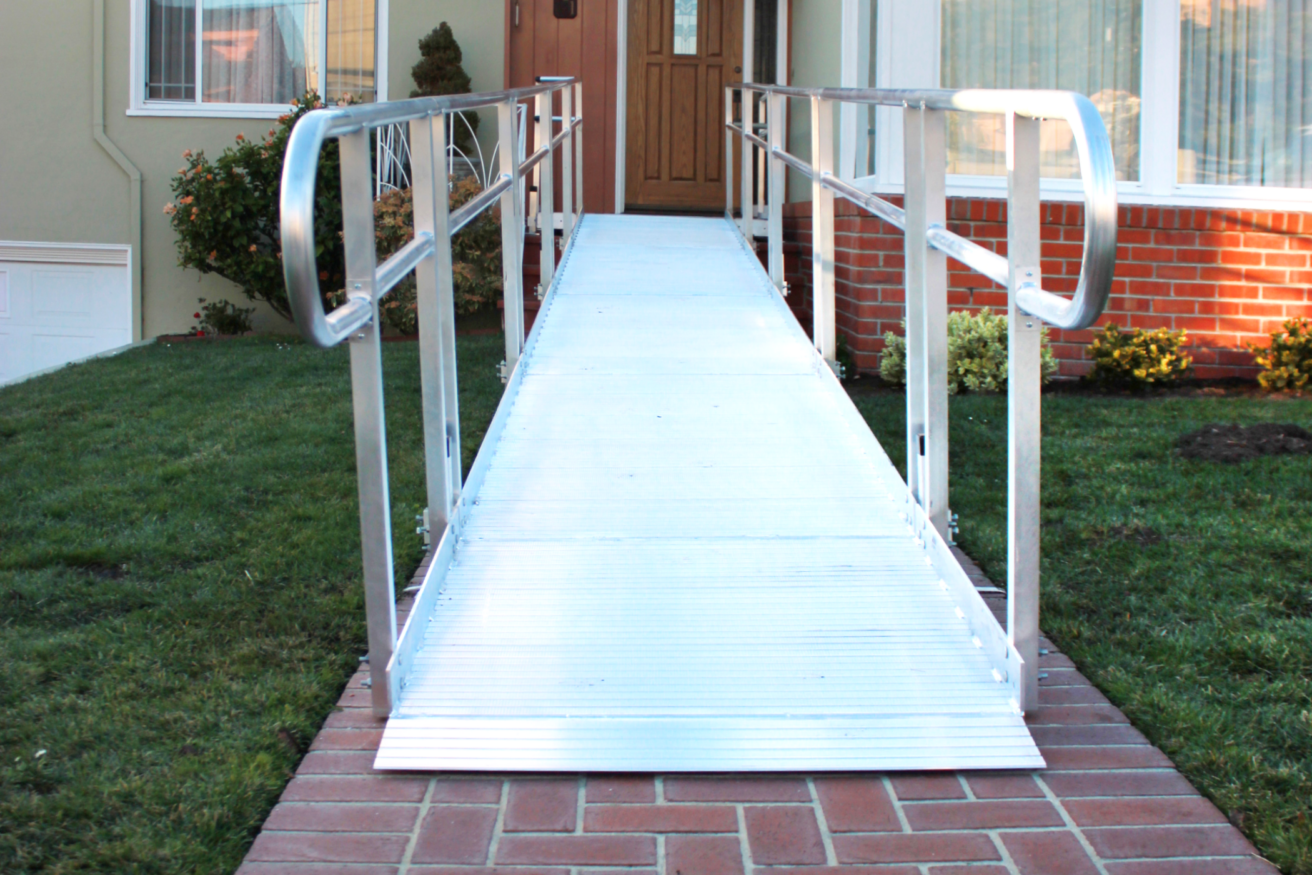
[(60, 303)]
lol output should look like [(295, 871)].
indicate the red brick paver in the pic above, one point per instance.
[(1109, 803)]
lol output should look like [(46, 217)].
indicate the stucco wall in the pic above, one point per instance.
[(57, 185)]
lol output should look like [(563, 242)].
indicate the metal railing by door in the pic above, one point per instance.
[(928, 244), (428, 255)]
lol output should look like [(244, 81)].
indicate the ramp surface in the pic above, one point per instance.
[(687, 552)]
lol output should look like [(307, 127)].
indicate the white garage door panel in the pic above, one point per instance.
[(61, 303)]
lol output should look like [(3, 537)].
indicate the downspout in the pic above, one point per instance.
[(124, 163)]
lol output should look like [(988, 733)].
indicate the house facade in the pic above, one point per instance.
[(1208, 104)]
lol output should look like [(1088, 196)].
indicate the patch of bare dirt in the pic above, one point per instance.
[(1237, 443)]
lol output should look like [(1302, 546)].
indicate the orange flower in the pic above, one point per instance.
[(186, 154), (186, 200), (241, 137), (170, 209), (323, 275), (254, 248), (214, 255), (209, 176)]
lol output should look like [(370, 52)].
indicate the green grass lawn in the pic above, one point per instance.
[(180, 599), (1182, 589)]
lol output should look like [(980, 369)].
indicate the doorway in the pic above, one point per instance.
[(681, 54)]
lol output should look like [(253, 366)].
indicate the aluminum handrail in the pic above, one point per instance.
[(428, 258), (300, 169), (1097, 173)]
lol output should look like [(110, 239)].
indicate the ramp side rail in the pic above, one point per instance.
[(923, 219), (428, 255)]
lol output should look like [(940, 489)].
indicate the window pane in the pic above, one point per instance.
[(1090, 46), (685, 27), (171, 50), (259, 51), (1246, 92), (350, 50)]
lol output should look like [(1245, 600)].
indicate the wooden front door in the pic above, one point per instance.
[(543, 40), (681, 55)]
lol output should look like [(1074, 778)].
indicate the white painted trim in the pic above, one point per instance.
[(621, 101), (382, 42), (783, 63), (116, 254), (1159, 94), (849, 62), (167, 109), (1211, 197)]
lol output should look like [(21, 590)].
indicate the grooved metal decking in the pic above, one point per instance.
[(687, 552)]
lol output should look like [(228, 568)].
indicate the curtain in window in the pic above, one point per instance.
[(1090, 46), (350, 50), (1246, 92), (256, 51)]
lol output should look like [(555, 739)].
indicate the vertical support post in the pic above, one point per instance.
[(748, 113), (1024, 377), (728, 153), (546, 195), (567, 164), (578, 150), (927, 285), (824, 328), (777, 195), (512, 234), (370, 428), (431, 218)]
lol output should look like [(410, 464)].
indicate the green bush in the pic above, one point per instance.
[(225, 212), (221, 317), (475, 253), (439, 72), (1138, 358), (977, 353), (1287, 363)]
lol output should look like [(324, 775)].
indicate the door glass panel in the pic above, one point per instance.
[(685, 27)]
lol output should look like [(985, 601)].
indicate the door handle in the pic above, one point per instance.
[(737, 69)]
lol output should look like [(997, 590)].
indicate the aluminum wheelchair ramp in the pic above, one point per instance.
[(688, 553)]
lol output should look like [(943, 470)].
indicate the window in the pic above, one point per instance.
[(237, 57), (685, 27), (1089, 46), (1207, 102), (1246, 92)]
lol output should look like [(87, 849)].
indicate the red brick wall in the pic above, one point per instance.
[(1227, 276)]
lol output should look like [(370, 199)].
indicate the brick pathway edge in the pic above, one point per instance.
[(1109, 803)]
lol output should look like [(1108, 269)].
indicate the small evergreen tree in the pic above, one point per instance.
[(439, 72)]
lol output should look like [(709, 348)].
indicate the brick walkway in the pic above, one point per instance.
[(1108, 803)]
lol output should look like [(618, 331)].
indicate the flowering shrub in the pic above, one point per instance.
[(475, 255), (1138, 358), (225, 212), (221, 317), (1287, 363), (977, 353)]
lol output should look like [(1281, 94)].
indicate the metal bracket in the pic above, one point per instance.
[(503, 372), (422, 529), (954, 529), (786, 289), (539, 291), (837, 367)]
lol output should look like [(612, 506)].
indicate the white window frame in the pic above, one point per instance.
[(908, 56), (139, 105)]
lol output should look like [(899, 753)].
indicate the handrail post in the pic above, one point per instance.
[(927, 301), (370, 427), (546, 195), (435, 302), (567, 165), (824, 329), (748, 114), (512, 235), (777, 195), (578, 149), (1024, 380), (728, 152)]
